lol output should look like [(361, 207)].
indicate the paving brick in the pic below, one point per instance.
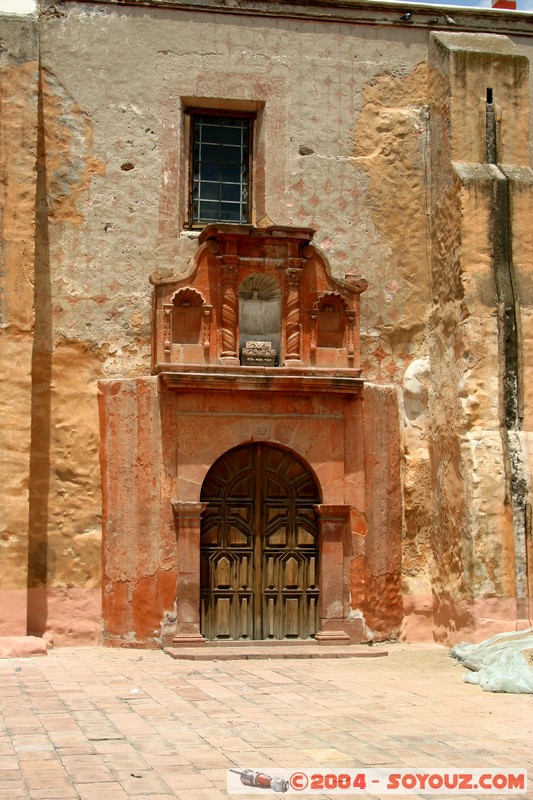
[(189, 721), (136, 782), (191, 780), (7, 775), (12, 789), (102, 791)]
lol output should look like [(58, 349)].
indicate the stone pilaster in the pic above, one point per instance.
[(188, 521), (333, 534)]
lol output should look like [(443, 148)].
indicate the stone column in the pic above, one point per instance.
[(292, 332), (228, 312), (188, 521), (334, 580)]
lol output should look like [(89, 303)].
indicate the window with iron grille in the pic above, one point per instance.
[(220, 168)]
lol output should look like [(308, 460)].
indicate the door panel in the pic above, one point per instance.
[(259, 547)]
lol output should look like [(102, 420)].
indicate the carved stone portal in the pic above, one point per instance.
[(258, 419)]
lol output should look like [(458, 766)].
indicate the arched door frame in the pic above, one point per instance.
[(333, 544), (259, 546)]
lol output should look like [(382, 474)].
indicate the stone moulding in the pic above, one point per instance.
[(259, 378)]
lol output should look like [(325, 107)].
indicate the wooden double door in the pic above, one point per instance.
[(259, 547)]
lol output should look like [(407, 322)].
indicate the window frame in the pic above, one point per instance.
[(250, 117)]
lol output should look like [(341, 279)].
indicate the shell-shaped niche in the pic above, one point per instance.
[(260, 312), (262, 287)]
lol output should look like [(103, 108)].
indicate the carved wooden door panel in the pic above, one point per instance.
[(259, 547)]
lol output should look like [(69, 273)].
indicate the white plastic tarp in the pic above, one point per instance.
[(503, 663)]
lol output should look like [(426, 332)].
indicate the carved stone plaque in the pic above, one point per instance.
[(258, 354)]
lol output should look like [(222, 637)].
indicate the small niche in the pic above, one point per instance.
[(187, 317), (331, 321), (260, 313)]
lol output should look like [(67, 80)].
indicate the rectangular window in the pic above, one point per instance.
[(220, 168)]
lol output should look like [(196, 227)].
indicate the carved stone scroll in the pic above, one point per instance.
[(355, 283)]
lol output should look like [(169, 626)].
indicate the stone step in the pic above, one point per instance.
[(234, 651)]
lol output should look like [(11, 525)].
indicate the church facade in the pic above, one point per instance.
[(267, 322)]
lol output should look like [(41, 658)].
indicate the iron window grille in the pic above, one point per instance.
[(220, 168)]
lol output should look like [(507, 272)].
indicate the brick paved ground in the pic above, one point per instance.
[(103, 724)]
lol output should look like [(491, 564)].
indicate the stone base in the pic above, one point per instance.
[(293, 362), (280, 650), (22, 646), (354, 629), (188, 639), (332, 637), (229, 361)]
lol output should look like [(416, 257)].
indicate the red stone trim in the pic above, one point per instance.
[(334, 575)]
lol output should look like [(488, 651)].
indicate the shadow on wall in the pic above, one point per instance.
[(41, 398)]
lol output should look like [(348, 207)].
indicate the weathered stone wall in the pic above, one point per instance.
[(65, 501), (361, 135), (18, 181), (115, 176), (474, 460), (139, 580)]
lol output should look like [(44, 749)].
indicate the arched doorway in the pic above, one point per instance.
[(259, 547)]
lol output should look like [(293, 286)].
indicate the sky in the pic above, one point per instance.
[(17, 6)]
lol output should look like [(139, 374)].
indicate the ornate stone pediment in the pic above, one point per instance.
[(266, 286)]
